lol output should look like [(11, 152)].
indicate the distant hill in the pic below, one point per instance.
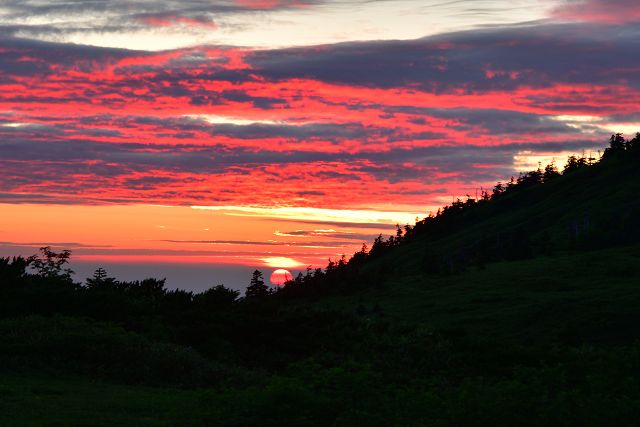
[(592, 204)]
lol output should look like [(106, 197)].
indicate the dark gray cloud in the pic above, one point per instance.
[(30, 8), (501, 58), (37, 198), (44, 56), (261, 102), (328, 233), (116, 158), (632, 117), (65, 245), (312, 131), (490, 120)]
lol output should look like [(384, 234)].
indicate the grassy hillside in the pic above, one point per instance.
[(590, 208), (569, 298)]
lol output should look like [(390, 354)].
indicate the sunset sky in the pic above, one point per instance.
[(200, 139)]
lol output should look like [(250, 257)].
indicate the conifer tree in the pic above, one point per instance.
[(550, 172), (257, 287), (100, 279)]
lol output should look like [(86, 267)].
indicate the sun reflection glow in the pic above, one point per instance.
[(281, 262)]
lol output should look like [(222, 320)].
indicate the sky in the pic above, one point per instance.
[(198, 140)]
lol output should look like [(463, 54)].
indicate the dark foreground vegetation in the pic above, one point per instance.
[(519, 307)]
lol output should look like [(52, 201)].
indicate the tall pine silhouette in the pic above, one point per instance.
[(257, 288)]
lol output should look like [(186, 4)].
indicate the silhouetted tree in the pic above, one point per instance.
[(498, 190), (13, 269), (100, 274), (530, 178), (50, 264), (151, 290), (399, 233), (218, 296), (257, 287), (633, 145), (573, 164), (359, 257), (331, 266), (550, 172), (342, 262), (378, 247), (617, 142), (100, 279)]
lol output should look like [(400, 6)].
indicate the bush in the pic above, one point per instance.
[(102, 349)]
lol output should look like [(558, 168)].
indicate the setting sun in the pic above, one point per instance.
[(280, 277)]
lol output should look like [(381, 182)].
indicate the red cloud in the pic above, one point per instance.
[(273, 4), (209, 126), (605, 11)]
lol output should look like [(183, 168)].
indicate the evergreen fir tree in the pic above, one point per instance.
[(257, 287)]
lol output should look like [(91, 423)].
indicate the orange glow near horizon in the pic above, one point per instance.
[(148, 233)]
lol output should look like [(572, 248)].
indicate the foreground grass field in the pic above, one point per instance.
[(580, 297), (38, 399), (550, 335)]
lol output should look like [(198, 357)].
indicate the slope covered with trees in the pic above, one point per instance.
[(591, 204)]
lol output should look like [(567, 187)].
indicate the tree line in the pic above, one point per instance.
[(509, 244)]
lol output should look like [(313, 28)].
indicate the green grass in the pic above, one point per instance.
[(548, 303), (571, 298), (30, 400)]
